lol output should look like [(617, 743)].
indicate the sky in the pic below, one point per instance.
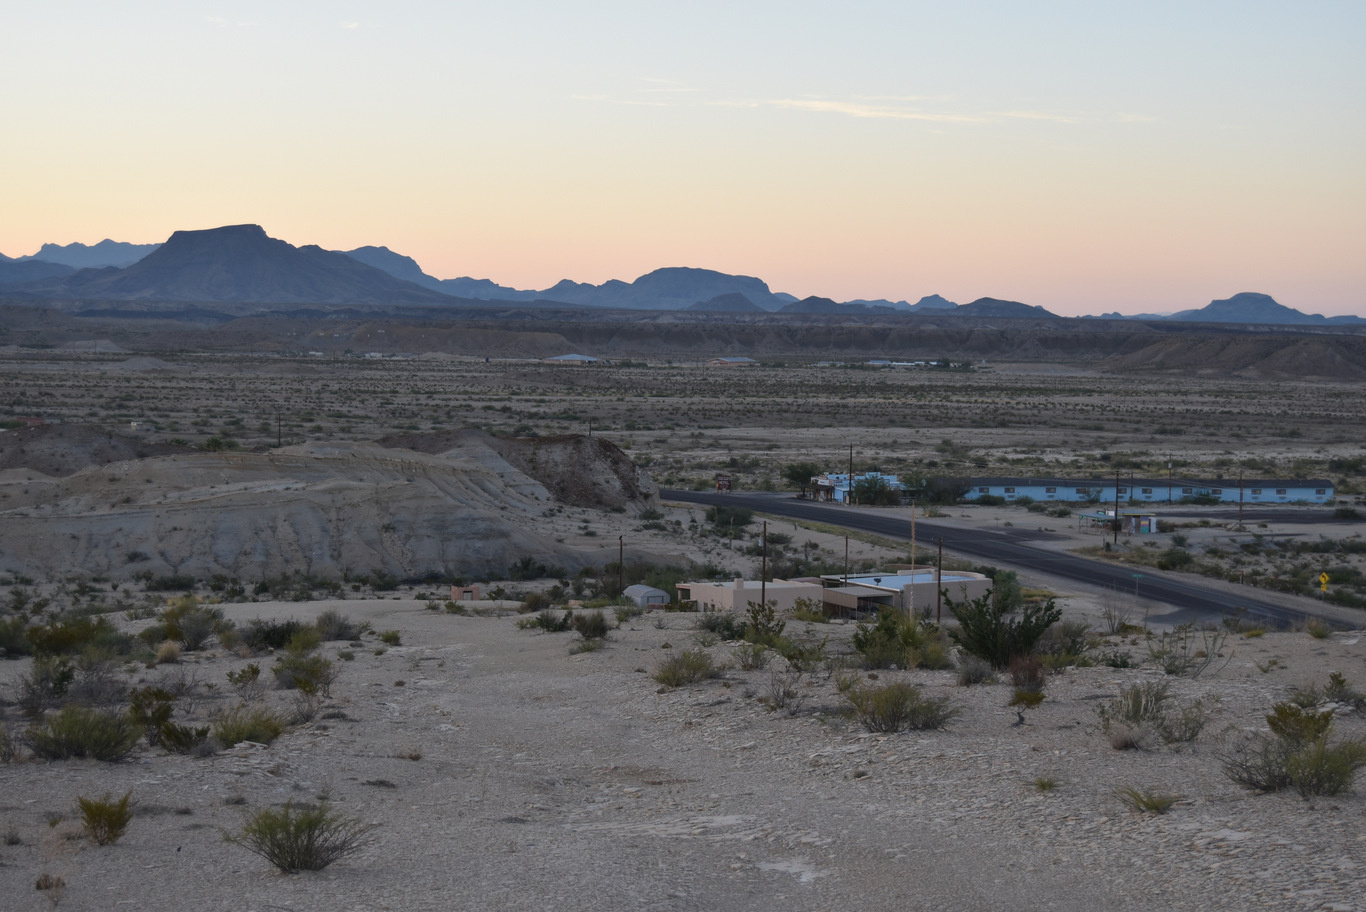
[(1085, 156)]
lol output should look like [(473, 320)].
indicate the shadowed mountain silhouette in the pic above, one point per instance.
[(240, 264)]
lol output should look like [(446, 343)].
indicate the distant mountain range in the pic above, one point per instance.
[(241, 264)]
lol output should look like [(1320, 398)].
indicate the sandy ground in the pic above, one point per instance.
[(506, 773)]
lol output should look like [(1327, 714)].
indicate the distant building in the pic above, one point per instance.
[(731, 362), (464, 593), (646, 596), (836, 487), (1152, 490), (572, 359)]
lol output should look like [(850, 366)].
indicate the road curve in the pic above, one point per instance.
[(1013, 547)]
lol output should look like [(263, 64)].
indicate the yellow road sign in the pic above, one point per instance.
[(1323, 578)]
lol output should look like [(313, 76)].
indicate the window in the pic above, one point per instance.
[(1320, 490), (1187, 491), (1280, 490), (1050, 490), (984, 490), (1124, 490), (1147, 490), (1083, 491), (1217, 492), (1010, 490), (1256, 490)]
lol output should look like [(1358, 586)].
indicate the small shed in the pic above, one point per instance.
[(646, 596)]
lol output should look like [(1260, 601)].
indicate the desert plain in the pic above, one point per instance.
[(506, 768)]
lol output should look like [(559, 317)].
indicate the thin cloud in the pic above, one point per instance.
[(864, 110), (1034, 115), (349, 25)]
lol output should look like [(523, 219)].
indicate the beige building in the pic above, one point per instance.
[(735, 595)]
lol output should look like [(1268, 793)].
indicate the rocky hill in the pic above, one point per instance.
[(468, 505), (240, 263)]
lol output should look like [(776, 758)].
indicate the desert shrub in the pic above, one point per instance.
[(261, 635), (1318, 629), (97, 682), (301, 838), (246, 723), (46, 682), (246, 681), (308, 672), (105, 819), (896, 640), (304, 640), (14, 638), (809, 611), (333, 625), (71, 636), (994, 630), (1337, 690), (1064, 644), (1143, 712), (1146, 801), (168, 653), (1297, 725), (534, 601), (548, 620), (591, 625), (151, 709), (725, 625), (973, 670), (1026, 673), (762, 624), (390, 637), (785, 691), (897, 706), (170, 582), (189, 623), (1297, 754), (801, 657), (77, 731), (1188, 652), (753, 656), (1319, 768), (687, 667)]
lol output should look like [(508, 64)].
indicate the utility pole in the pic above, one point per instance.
[(939, 584), (621, 566), (1240, 499), (279, 432), (846, 560), (763, 575), (1169, 481), (911, 612), (851, 473), (1116, 507)]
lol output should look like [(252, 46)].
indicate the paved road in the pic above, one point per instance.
[(1015, 547)]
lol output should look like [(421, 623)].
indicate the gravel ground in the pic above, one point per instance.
[(506, 773)]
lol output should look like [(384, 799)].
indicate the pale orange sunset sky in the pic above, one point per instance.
[(1087, 157)]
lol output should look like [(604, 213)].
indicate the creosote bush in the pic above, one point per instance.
[(897, 706), (547, 619), (333, 625), (723, 624), (105, 819), (301, 837), (687, 667)]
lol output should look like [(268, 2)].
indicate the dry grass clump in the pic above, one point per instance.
[(301, 838), (897, 706), (591, 625), (105, 819), (247, 723), (687, 667), (1145, 801)]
